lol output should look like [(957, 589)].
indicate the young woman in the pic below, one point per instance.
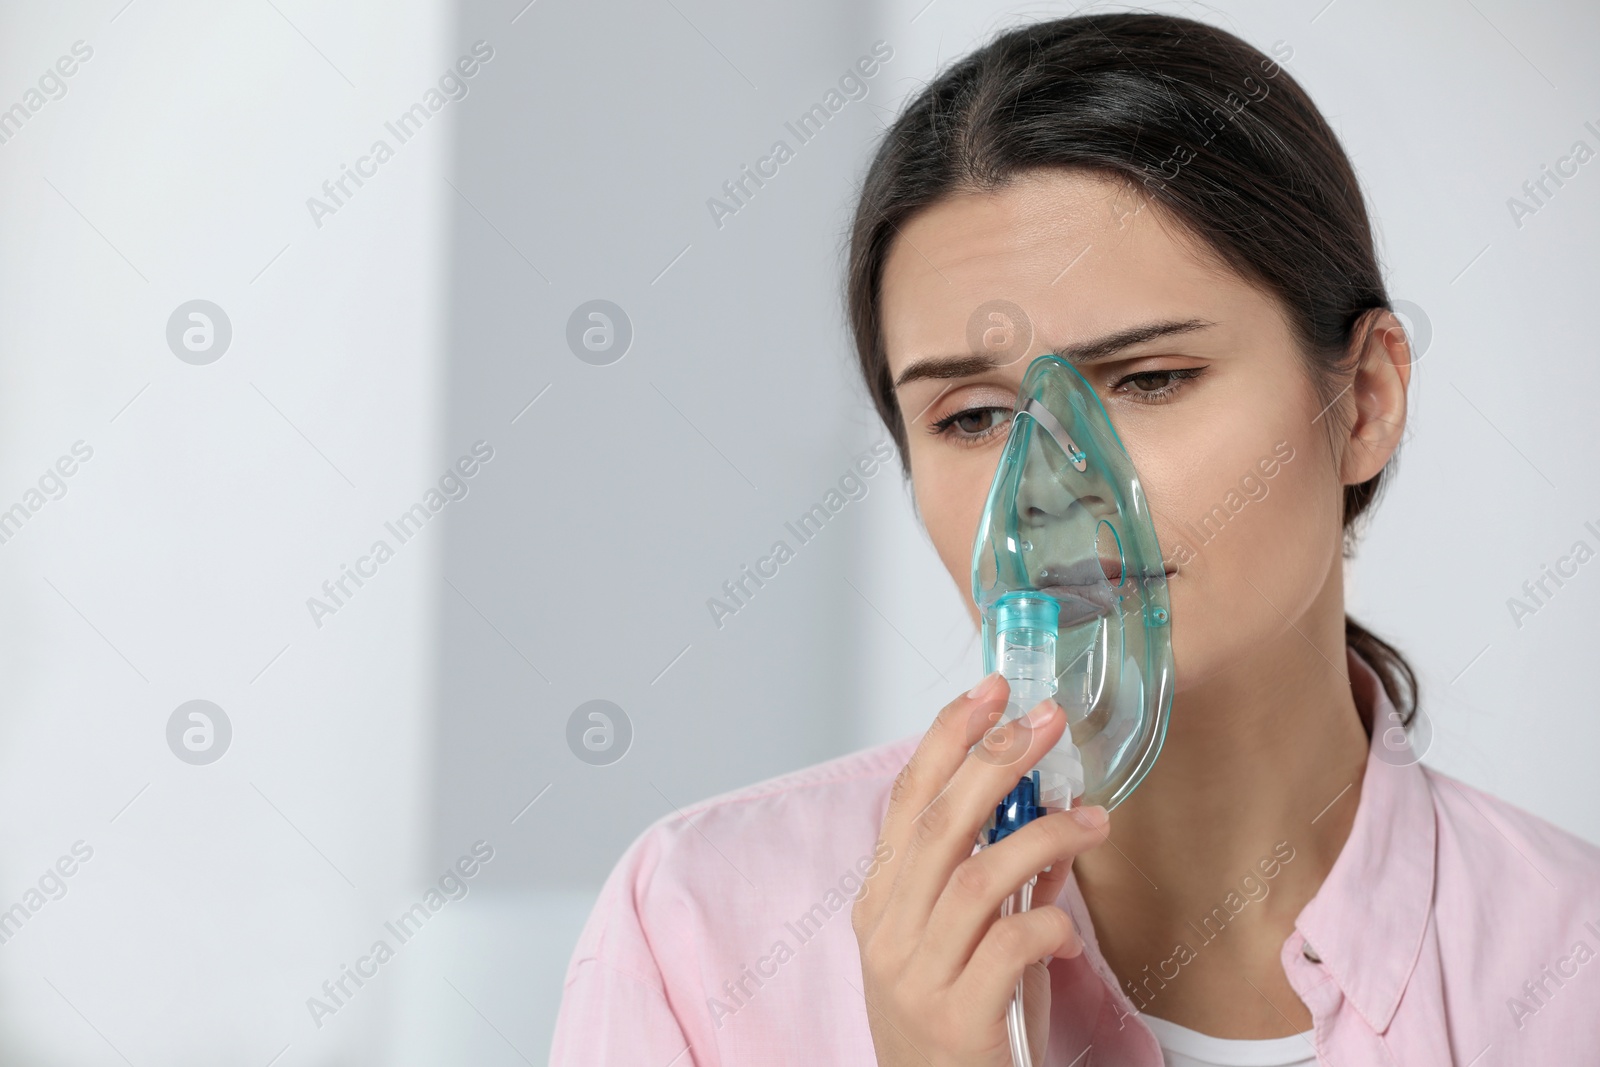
[(1288, 885)]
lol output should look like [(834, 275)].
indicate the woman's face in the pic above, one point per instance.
[(1214, 404)]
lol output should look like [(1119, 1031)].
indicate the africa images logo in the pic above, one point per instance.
[(852, 485)]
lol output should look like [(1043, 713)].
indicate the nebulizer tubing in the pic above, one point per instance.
[(1064, 504)]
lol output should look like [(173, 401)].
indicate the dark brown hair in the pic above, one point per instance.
[(1221, 139)]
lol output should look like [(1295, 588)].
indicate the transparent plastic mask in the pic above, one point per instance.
[(1072, 588)]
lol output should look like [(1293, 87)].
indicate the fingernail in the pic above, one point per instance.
[(983, 688), (1041, 713), (1092, 817)]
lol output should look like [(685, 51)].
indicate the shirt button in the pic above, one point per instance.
[(1309, 953)]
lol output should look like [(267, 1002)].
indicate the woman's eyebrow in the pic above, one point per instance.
[(939, 367)]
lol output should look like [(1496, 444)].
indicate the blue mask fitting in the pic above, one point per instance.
[(1073, 591)]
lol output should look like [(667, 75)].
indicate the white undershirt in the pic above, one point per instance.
[(1183, 1047)]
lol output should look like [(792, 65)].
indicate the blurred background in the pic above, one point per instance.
[(282, 282)]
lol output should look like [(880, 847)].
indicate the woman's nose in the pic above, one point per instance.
[(1040, 494), (1049, 492)]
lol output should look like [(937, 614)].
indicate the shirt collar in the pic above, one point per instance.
[(1368, 919)]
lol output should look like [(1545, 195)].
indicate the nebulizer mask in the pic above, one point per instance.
[(1072, 589)]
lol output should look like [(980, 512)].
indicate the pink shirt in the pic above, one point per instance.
[(1452, 928)]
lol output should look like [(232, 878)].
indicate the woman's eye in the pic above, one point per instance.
[(1154, 386), (973, 424)]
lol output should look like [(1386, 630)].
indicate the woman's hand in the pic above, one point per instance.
[(938, 963)]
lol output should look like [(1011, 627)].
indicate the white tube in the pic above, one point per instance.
[(1016, 1022)]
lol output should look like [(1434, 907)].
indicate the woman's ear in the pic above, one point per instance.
[(1379, 391)]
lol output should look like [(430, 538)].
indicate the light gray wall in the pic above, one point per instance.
[(177, 165), (372, 351), (620, 502)]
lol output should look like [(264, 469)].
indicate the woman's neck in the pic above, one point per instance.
[(1262, 762)]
